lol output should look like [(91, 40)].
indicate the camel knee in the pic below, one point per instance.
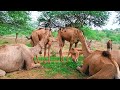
[(2, 73)]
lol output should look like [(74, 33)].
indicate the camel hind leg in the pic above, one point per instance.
[(60, 51), (107, 72), (69, 50)]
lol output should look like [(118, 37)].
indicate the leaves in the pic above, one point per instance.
[(75, 18), (14, 21)]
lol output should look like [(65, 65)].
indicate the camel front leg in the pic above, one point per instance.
[(44, 53), (2, 73), (76, 44), (37, 59), (69, 51), (60, 52), (68, 55), (85, 66), (49, 53)]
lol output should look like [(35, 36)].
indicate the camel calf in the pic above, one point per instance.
[(76, 52)]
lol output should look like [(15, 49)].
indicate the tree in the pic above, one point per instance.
[(75, 18), (13, 21)]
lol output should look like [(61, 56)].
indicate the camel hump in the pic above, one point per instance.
[(106, 54)]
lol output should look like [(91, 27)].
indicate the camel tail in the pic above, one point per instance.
[(108, 55)]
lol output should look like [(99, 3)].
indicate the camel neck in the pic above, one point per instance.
[(35, 50), (85, 49)]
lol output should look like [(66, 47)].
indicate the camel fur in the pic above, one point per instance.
[(67, 34), (98, 65), (76, 52), (37, 35), (18, 56)]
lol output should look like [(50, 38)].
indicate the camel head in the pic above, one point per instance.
[(75, 52)]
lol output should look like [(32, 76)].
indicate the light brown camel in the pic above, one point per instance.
[(37, 35), (18, 56), (76, 52), (69, 35), (96, 63)]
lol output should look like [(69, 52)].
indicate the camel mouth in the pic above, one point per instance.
[(75, 60)]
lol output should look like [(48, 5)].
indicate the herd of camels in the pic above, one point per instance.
[(97, 64)]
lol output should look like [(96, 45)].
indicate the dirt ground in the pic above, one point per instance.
[(39, 73)]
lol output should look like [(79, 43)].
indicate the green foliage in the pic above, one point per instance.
[(55, 33), (14, 22), (102, 34), (75, 18)]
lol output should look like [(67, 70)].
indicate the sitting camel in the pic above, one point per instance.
[(37, 35), (69, 35), (18, 56), (96, 63)]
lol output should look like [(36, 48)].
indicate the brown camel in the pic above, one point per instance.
[(69, 35), (109, 45), (76, 52), (18, 56), (96, 63), (37, 35)]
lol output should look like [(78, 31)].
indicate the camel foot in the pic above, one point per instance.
[(37, 65), (2, 73), (49, 62), (78, 68), (44, 62)]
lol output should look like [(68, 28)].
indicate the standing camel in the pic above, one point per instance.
[(37, 35), (19, 56), (69, 34), (109, 45), (97, 63)]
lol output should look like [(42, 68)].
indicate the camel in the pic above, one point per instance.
[(19, 56), (69, 35), (37, 35), (76, 52), (109, 45), (98, 64)]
